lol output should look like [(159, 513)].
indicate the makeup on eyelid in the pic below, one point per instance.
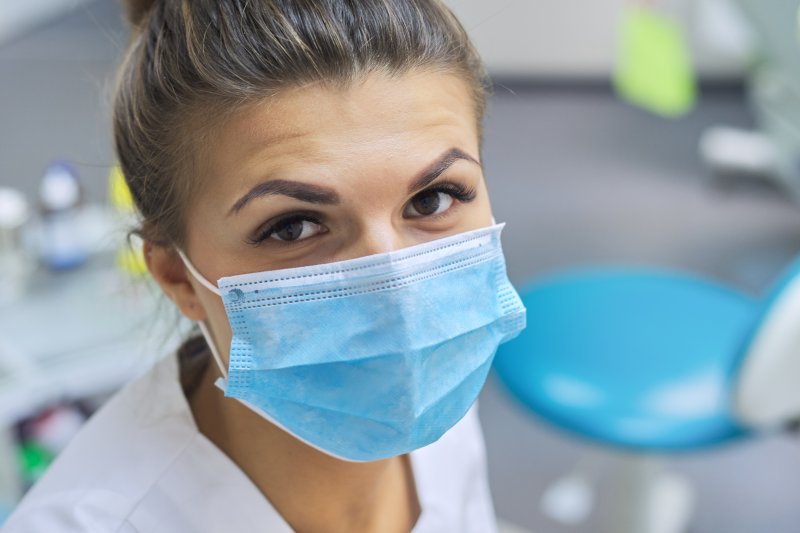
[(457, 192)]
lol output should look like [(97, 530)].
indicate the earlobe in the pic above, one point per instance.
[(167, 268)]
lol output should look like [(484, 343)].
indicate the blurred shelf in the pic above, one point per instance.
[(79, 334)]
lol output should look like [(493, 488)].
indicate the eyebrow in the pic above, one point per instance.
[(305, 192), (436, 169), (314, 194)]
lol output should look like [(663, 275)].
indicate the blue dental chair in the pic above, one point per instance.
[(654, 362)]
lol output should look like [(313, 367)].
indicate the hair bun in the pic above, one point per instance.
[(137, 10)]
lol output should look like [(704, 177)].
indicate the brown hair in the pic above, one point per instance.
[(191, 59)]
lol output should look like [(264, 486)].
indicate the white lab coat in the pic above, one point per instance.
[(141, 465)]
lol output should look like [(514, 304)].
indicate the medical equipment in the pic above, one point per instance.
[(655, 362), (63, 244), (15, 264), (772, 151)]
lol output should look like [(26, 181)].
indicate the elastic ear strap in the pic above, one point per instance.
[(213, 347), (203, 329), (197, 275)]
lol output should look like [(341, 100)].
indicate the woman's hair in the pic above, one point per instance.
[(192, 62)]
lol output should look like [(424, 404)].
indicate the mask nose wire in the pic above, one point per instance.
[(202, 325)]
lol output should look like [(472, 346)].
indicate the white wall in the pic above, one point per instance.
[(19, 16), (567, 38), (557, 38)]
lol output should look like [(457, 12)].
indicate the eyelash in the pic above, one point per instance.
[(271, 227), (458, 191)]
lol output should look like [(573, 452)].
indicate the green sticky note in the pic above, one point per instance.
[(654, 69)]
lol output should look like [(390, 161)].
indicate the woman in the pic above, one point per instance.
[(309, 179)]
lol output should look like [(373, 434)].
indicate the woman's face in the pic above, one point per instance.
[(315, 175)]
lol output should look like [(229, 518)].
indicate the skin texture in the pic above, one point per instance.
[(365, 144)]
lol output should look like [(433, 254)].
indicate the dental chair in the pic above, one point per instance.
[(653, 363)]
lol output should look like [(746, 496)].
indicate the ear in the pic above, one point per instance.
[(167, 268)]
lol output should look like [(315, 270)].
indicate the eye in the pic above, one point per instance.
[(428, 203), (437, 200), (290, 229), (294, 229)]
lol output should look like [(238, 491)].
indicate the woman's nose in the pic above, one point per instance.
[(376, 238)]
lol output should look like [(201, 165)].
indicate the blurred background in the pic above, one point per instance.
[(586, 164)]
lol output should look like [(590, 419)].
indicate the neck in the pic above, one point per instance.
[(294, 477)]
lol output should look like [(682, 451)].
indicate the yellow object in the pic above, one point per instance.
[(130, 258), (653, 67), (118, 191)]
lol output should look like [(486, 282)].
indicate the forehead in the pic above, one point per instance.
[(378, 118)]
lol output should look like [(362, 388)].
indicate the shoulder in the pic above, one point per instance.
[(72, 511), (114, 461), (141, 464)]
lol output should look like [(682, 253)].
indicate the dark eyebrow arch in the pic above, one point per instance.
[(305, 192), (438, 167)]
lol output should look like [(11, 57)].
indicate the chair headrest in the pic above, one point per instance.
[(767, 391)]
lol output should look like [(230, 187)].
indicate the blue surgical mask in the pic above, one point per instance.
[(373, 357)]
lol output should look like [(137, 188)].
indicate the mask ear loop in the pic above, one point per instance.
[(213, 347), (202, 325)]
